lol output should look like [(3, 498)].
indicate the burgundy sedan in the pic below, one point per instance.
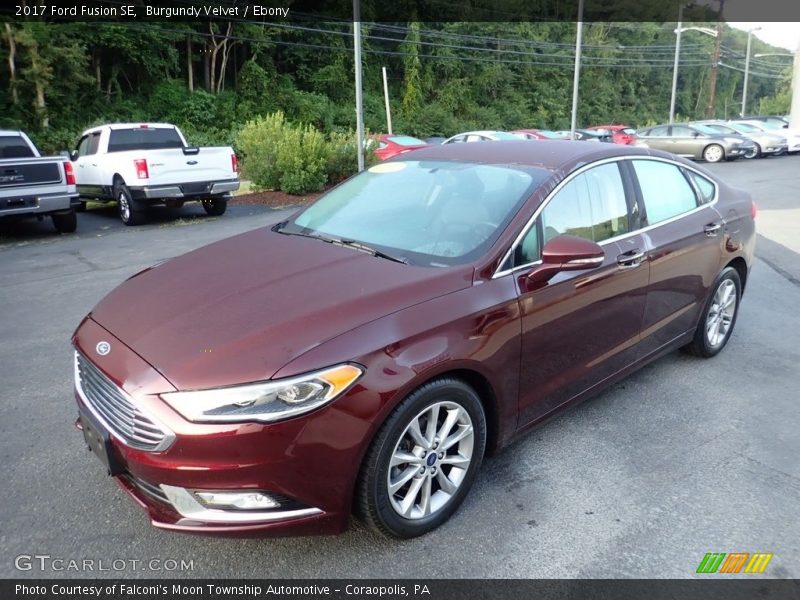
[(366, 353)]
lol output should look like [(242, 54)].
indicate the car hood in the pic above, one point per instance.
[(240, 309)]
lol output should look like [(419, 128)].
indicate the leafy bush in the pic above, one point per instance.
[(279, 155)]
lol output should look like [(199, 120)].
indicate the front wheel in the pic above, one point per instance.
[(719, 316), (65, 222), (713, 153), (754, 152), (424, 459), (215, 207)]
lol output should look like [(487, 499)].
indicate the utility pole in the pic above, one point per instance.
[(678, 32), (712, 81), (359, 99), (386, 101), (577, 74)]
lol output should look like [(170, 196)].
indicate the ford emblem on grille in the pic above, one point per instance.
[(103, 348)]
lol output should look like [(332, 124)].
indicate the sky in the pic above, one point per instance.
[(784, 35)]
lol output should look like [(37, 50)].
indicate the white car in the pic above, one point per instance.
[(481, 136), (792, 135), (140, 164)]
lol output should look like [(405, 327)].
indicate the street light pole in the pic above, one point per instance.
[(675, 67), (794, 115), (747, 70), (577, 74)]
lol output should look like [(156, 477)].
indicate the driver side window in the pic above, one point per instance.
[(592, 206)]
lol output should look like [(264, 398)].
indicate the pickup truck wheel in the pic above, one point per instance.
[(215, 208), (126, 204), (65, 222)]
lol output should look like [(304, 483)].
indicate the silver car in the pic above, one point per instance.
[(694, 142), (765, 143)]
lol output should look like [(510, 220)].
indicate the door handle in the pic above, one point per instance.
[(712, 229), (94, 164), (630, 259)]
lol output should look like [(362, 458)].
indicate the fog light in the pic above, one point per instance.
[(237, 500)]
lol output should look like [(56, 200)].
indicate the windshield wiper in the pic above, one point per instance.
[(371, 250), (348, 243)]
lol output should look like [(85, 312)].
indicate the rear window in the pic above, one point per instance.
[(406, 140), (13, 146), (143, 138)]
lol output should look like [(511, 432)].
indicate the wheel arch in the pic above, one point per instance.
[(740, 265)]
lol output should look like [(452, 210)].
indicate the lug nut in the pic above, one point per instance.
[(433, 470), (422, 470), (441, 455)]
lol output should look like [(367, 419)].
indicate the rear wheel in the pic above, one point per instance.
[(215, 207), (713, 153), (719, 316), (65, 222), (129, 211), (424, 459)]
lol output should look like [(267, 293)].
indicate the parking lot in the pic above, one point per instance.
[(685, 457)]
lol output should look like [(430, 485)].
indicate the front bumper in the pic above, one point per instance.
[(185, 191), (309, 463)]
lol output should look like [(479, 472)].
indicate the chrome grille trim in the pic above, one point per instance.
[(118, 411)]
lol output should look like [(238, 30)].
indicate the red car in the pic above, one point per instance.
[(368, 351), (537, 134), (620, 134), (394, 145)]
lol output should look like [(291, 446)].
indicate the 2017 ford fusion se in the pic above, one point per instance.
[(365, 354)]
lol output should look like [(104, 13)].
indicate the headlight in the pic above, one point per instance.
[(265, 401)]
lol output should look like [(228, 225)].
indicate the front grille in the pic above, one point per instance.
[(117, 410)]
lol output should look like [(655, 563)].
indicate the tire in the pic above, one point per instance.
[(423, 480), (755, 152), (129, 210), (65, 222), (713, 153), (718, 317), (215, 207)]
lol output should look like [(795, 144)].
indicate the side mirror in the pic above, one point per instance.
[(73, 156), (566, 253), (696, 134)]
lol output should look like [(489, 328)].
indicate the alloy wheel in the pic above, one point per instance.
[(721, 313), (430, 460)]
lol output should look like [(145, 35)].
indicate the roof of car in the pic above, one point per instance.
[(143, 125), (10, 132), (550, 156)]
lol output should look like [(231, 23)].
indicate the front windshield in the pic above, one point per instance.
[(747, 127), (428, 212), (552, 135)]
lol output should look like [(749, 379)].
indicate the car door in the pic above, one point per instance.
[(683, 233), (685, 141), (582, 326), (88, 173), (658, 138)]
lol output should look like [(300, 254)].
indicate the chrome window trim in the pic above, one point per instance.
[(169, 435), (573, 175)]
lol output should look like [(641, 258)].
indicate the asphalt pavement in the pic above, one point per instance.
[(685, 457)]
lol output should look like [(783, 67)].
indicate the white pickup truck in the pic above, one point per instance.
[(140, 164)]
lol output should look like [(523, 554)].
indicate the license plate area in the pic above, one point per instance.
[(98, 441)]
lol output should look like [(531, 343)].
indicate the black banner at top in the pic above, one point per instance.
[(399, 10)]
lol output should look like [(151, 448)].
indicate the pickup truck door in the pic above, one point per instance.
[(87, 172)]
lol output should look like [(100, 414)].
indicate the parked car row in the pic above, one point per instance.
[(711, 140), (135, 165)]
